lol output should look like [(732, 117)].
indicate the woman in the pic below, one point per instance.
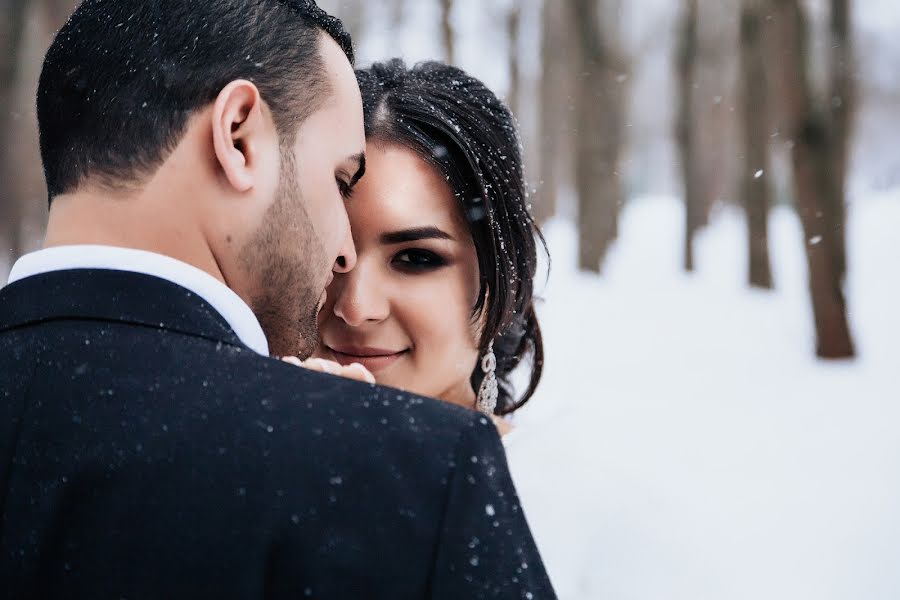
[(440, 301)]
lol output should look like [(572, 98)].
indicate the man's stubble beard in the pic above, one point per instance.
[(285, 258)]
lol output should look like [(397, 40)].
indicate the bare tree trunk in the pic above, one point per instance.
[(815, 183), (756, 192), (43, 22), (555, 115), (354, 18), (513, 25), (716, 124), (843, 105), (685, 129), (600, 112), (352, 14), (12, 24), (447, 31), (395, 10)]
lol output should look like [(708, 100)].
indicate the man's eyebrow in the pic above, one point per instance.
[(361, 170), (415, 235)]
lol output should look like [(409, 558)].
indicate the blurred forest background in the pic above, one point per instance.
[(750, 103)]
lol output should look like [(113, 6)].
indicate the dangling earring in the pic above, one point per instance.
[(487, 393)]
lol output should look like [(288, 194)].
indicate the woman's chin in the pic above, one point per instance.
[(399, 379)]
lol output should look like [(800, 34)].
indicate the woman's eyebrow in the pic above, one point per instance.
[(414, 235), (360, 169)]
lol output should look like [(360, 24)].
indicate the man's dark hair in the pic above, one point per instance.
[(123, 76)]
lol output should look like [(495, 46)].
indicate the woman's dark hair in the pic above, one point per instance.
[(457, 124)]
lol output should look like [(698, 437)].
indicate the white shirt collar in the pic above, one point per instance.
[(228, 304)]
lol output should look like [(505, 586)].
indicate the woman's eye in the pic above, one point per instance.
[(345, 189), (418, 260)]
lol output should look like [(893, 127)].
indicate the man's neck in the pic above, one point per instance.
[(132, 221)]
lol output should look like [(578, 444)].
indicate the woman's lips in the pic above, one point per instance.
[(374, 359)]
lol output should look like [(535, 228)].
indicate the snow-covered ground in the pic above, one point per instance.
[(685, 442)]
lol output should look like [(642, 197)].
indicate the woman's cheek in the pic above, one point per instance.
[(433, 313)]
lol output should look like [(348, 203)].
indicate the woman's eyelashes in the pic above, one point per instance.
[(415, 260), (345, 188)]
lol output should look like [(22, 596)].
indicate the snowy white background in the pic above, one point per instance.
[(685, 444)]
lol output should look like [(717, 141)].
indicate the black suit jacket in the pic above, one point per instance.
[(145, 452)]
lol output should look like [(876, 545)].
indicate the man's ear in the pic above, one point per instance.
[(239, 128)]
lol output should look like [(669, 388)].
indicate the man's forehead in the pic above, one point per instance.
[(335, 62)]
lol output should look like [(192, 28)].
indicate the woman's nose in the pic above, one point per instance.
[(346, 259), (359, 297)]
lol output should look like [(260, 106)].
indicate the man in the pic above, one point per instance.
[(196, 154)]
